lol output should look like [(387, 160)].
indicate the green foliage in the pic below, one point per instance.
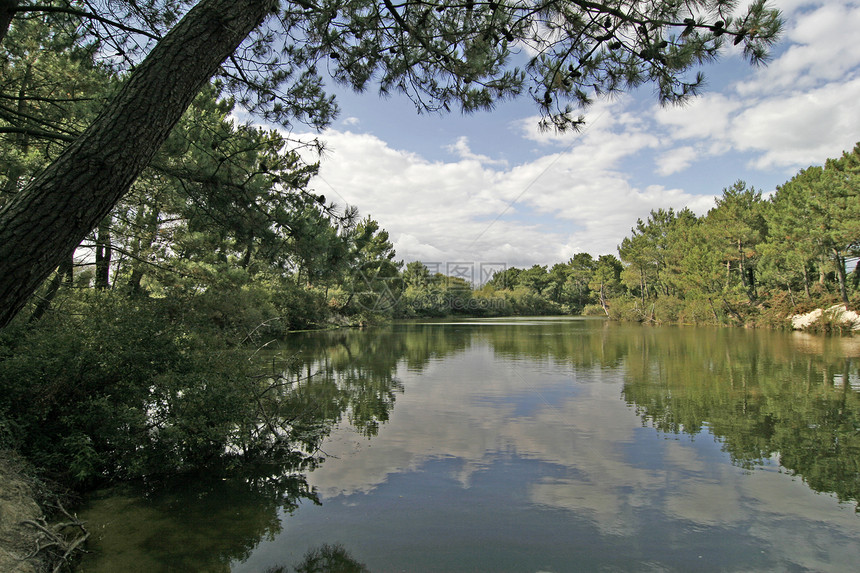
[(624, 308), (667, 309), (218, 194), (524, 302), (535, 279), (51, 89), (698, 311), (118, 388), (505, 279), (749, 260), (646, 254), (593, 310), (441, 55), (736, 227), (300, 308), (511, 291)]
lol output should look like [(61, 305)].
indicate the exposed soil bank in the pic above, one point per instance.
[(19, 541)]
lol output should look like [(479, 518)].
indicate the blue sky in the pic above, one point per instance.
[(490, 188)]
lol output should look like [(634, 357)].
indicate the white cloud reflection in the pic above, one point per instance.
[(469, 407)]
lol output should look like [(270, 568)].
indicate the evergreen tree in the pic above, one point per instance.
[(836, 204), (645, 253), (558, 276), (737, 226), (790, 246), (536, 279), (606, 279), (416, 275), (576, 287)]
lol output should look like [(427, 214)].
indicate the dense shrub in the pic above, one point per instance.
[(668, 309), (239, 314), (120, 388), (300, 308), (524, 302), (626, 309), (593, 310), (697, 311)]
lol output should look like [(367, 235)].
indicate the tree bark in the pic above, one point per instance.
[(45, 303), (7, 12), (52, 214), (840, 274)]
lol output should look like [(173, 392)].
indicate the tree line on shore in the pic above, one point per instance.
[(749, 260), (117, 78), (223, 216)]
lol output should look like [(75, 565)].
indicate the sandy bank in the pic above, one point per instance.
[(836, 315)]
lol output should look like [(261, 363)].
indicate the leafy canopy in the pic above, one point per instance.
[(445, 53)]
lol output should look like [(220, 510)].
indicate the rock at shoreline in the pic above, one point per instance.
[(838, 315)]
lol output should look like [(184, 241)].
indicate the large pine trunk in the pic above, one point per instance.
[(7, 12), (49, 218), (840, 274)]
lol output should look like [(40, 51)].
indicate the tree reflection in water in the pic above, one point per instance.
[(761, 398), (764, 396), (203, 522)]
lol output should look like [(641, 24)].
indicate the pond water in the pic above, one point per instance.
[(533, 445)]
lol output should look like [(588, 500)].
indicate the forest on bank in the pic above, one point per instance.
[(749, 260), (222, 224), (137, 354)]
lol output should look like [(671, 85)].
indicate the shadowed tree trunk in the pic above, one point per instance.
[(52, 214), (7, 12), (840, 274), (103, 255), (63, 273)]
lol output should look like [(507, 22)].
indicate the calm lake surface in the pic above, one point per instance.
[(533, 445)]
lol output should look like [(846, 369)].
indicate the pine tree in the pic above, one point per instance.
[(439, 55)]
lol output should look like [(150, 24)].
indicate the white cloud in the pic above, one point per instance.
[(604, 117), (798, 111), (573, 192), (800, 129), (676, 160), (589, 438), (462, 150), (706, 117), (823, 48), (542, 212), (788, 7)]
